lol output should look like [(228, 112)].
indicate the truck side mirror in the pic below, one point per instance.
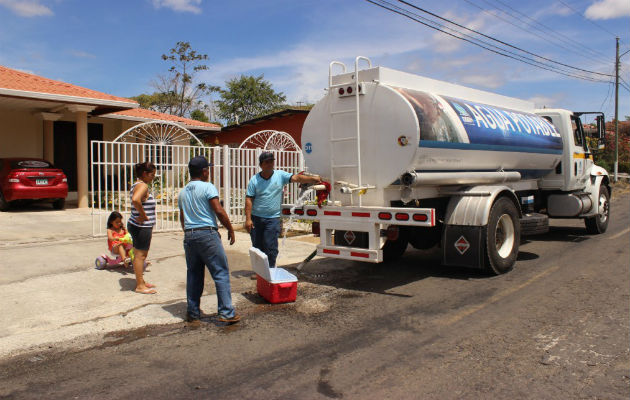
[(601, 127), (601, 132)]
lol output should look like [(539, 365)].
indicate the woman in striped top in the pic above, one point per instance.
[(140, 225)]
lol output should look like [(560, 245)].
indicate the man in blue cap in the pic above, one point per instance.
[(264, 202), (199, 209)]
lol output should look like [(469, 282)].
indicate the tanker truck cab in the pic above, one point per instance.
[(578, 188), (416, 161)]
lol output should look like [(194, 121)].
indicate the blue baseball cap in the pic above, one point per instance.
[(199, 162)]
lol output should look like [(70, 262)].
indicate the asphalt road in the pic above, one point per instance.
[(555, 327)]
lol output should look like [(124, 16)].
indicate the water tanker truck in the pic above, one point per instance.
[(421, 162)]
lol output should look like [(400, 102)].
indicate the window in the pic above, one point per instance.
[(578, 136)]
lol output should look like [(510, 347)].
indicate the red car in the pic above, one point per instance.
[(31, 179)]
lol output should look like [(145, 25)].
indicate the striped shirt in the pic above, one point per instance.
[(149, 210)]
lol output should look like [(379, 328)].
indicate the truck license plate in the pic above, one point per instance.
[(41, 181)]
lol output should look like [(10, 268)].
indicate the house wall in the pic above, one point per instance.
[(21, 134), (291, 124)]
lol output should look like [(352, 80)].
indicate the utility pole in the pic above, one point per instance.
[(616, 112)]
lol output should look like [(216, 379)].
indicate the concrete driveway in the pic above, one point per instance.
[(51, 295)]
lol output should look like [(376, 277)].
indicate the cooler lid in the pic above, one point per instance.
[(260, 265)]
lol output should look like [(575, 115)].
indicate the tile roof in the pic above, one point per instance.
[(15, 80), (143, 113)]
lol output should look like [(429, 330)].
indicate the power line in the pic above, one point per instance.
[(406, 13), (578, 48), (586, 19), (610, 86), (500, 41)]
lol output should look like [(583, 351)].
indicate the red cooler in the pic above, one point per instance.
[(276, 285)]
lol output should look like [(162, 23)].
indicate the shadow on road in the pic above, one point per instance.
[(416, 265), (177, 310), (562, 234), (22, 206), (127, 284)]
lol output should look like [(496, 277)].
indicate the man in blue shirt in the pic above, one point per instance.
[(199, 209), (263, 204)]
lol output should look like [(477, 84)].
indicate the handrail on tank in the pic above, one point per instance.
[(330, 68), (358, 117), (356, 62)]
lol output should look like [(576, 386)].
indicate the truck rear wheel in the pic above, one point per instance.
[(503, 237), (394, 249), (599, 223)]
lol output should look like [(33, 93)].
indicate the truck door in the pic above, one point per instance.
[(580, 156)]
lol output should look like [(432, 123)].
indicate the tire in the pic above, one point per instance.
[(423, 238), (503, 236), (4, 204), (534, 224), (598, 224), (59, 204), (394, 249)]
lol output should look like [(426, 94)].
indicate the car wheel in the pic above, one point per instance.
[(59, 204), (4, 204)]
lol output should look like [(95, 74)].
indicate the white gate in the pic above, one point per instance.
[(112, 176)]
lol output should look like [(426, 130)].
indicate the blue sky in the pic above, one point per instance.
[(115, 46)]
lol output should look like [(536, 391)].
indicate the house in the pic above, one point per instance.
[(289, 120), (54, 120)]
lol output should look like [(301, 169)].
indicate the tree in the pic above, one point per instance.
[(247, 97), (199, 115), (177, 92)]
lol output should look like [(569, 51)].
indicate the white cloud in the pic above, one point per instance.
[(547, 101), (491, 80), (443, 43), (27, 8), (179, 5), (608, 9), (303, 69), (551, 10)]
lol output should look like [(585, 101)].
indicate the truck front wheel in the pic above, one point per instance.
[(599, 223), (503, 237)]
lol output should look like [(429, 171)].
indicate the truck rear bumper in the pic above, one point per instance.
[(372, 221)]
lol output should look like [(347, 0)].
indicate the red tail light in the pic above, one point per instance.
[(312, 213), (286, 211), (420, 217), (349, 90), (385, 215), (299, 212), (402, 217), (341, 91)]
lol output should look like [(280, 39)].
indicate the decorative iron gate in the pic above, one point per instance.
[(112, 176)]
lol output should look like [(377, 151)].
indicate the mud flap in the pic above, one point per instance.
[(463, 245)]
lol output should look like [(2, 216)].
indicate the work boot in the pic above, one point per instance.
[(229, 320)]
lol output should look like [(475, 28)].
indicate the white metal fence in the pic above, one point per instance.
[(111, 177)]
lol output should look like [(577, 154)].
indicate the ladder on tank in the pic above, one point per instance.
[(348, 187)]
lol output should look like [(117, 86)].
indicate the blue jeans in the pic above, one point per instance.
[(265, 236), (204, 248)]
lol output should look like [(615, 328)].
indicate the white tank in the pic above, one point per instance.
[(414, 124)]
